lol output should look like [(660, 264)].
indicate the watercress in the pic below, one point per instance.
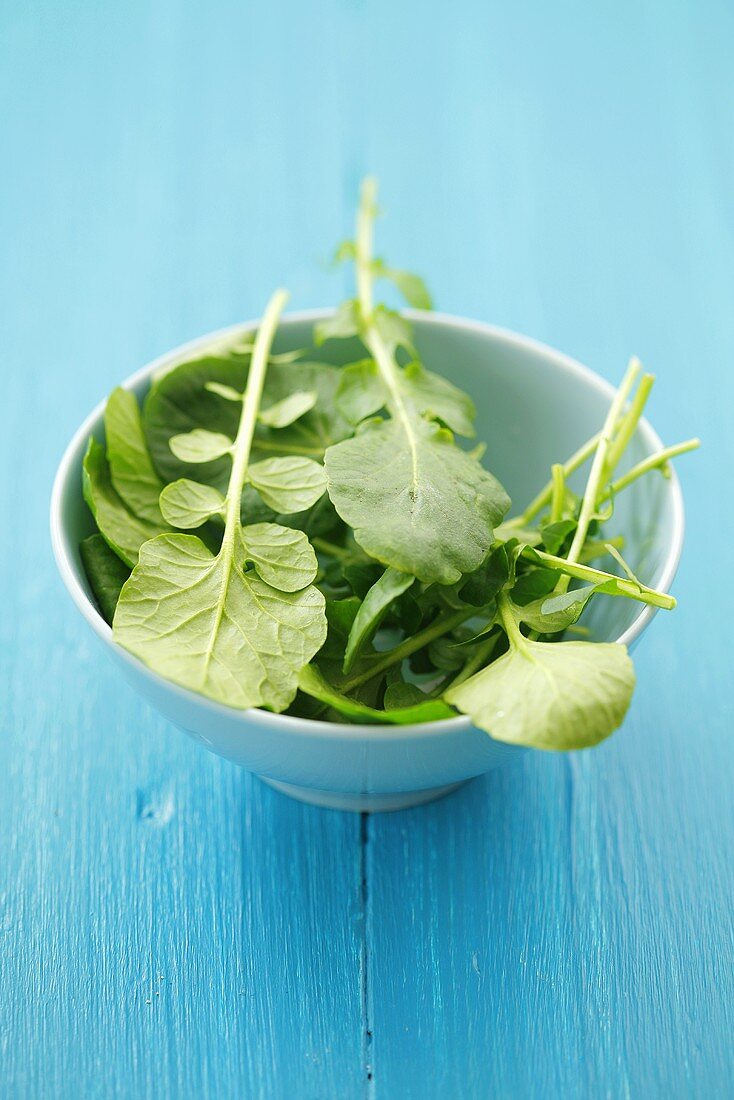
[(352, 559), (238, 625)]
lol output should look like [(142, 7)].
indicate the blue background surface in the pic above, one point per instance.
[(168, 925)]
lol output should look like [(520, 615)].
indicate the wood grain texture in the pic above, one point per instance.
[(168, 926)]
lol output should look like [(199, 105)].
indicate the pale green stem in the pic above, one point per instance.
[(514, 635), (628, 424), (652, 462), (596, 473), (477, 661), (250, 406), (370, 333), (633, 591), (558, 498), (578, 458), (327, 547)]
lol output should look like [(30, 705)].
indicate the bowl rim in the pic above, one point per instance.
[(311, 726)]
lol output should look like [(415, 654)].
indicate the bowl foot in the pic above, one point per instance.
[(361, 803)]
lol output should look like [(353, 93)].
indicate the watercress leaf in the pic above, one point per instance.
[(291, 408), (414, 500), (340, 616), (289, 484), (204, 623), (121, 530), (361, 576), (439, 398), (346, 250), (312, 682), (394, 329), (188, 504), (555, 535), (555, 614), (229, 393), (282, 556), (361, 391), (200, 445), (550, 695), (533, 584), (343, 324), (411, 286), (401, 694), (376, 603), (180, 402), (105, 571), (481, 586), (317, 428), (131, 468)]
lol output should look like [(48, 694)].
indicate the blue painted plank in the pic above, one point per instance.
[(565, 929), (168, 926)]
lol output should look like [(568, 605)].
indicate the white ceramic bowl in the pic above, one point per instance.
[(535, 406)]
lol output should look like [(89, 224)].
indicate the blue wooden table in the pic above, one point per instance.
[(169, 927)]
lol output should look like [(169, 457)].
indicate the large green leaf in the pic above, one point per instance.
[(204, 623), (550, 695), (132, 472), (414, 500), (122, 531)]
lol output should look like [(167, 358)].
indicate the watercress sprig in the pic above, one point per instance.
[(238, 625), (415, 500)]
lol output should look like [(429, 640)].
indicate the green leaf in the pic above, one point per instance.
[(439, 398), (394, 330), (291, 408), (411, 286), (202, 622), (481, 586), (550, 695), (188, 504), (555, 614), (200, 445), (340, 615), (401, 694), (282, 556), (207, 622), (105, 572), (122, 531), (555, 535), (181, 401), (375, 605), (414, 500), (361, 391), (313, 683), (343, 324), (131, 468), (533, 584), (289, 484), (316, 429)]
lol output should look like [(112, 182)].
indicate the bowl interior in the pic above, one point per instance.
[(534, 407)]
